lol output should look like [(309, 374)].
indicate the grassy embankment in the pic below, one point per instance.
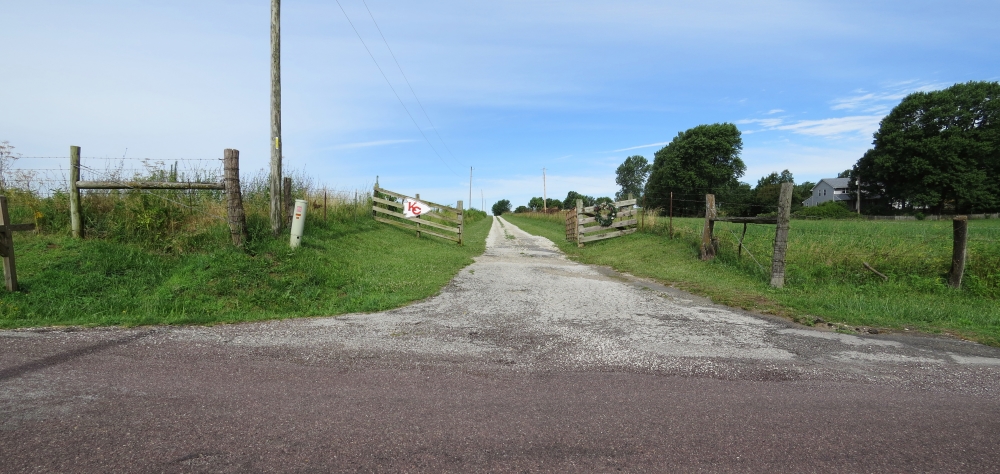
[(148, 261), (825, 276)]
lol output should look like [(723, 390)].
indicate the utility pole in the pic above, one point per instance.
[(544, 197), (276, 220), (470, 187)]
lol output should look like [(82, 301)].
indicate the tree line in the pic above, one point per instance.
[(936, 151)]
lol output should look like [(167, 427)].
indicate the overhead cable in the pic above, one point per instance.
[(433, 127), (394, 90)]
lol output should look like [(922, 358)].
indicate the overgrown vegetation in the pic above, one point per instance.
[(827, 210), (825, 275), (165, 257)]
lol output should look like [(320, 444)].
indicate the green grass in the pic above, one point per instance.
[(348, 264), (824, 275)]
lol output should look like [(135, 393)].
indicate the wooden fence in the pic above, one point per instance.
[(710, 245), (571, 219), (236, 217), (995, 215), (439, 224), (625, 223)]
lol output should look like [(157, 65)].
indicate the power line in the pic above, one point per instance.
[(394, 90), (433, 127)]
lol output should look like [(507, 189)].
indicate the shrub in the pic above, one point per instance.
[(827, 210)]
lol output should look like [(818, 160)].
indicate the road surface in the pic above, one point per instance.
[(525, 362)]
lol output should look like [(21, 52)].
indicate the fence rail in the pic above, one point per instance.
[(236, 217)]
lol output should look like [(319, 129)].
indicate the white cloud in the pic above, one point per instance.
[(882, 101), (766, 123), (640, 146), (872, 105), (807, 163), (861, 124)]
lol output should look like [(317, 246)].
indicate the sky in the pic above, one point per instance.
[(507, 88)]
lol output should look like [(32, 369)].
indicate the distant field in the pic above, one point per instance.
[(825, 276)]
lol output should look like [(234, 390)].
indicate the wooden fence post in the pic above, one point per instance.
[(579, 226), (960, 230), (234, 197), (707, 245), (7, 247), (7, 244), (781, 236), (461, 223), (75, 214), (286, 192)]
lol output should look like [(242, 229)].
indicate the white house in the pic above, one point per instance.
[(831, 189)]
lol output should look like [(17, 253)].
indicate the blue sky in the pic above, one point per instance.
[(510, 86)]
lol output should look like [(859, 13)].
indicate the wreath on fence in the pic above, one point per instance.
[(606, 219)]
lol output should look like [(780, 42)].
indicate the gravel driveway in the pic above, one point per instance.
[(525, 361)]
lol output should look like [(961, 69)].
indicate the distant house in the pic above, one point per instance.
[(831, 189)]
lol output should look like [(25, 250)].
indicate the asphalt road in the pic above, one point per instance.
[(525, 362)]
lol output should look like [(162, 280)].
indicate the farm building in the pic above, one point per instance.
[(831, 189)]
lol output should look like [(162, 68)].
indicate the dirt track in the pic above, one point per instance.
[(526, 361)]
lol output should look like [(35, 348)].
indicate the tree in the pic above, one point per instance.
[(553, 203), (521, 209), (603, 199), (572, 196), (535, 203), (501, 207), (800, 193), (768, 190), (702, 160), (844, 174), (631, 177), (937, 150)]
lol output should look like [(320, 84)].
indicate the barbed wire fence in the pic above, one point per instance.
[(851, 251), (186, 190)]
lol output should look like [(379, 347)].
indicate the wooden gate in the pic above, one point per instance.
[(588, 230), (439, 222), (571, 225)]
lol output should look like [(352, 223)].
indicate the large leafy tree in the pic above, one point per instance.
[(572, 196), (535, 203), (768, 190), (501, 207), (702, 160), (938, 150), (631, 177)]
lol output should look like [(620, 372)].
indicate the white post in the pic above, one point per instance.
[(298, 223)]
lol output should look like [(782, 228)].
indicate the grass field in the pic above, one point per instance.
[(348, 264), (824, 276)]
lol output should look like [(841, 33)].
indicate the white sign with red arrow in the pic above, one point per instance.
[(414, 208)]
